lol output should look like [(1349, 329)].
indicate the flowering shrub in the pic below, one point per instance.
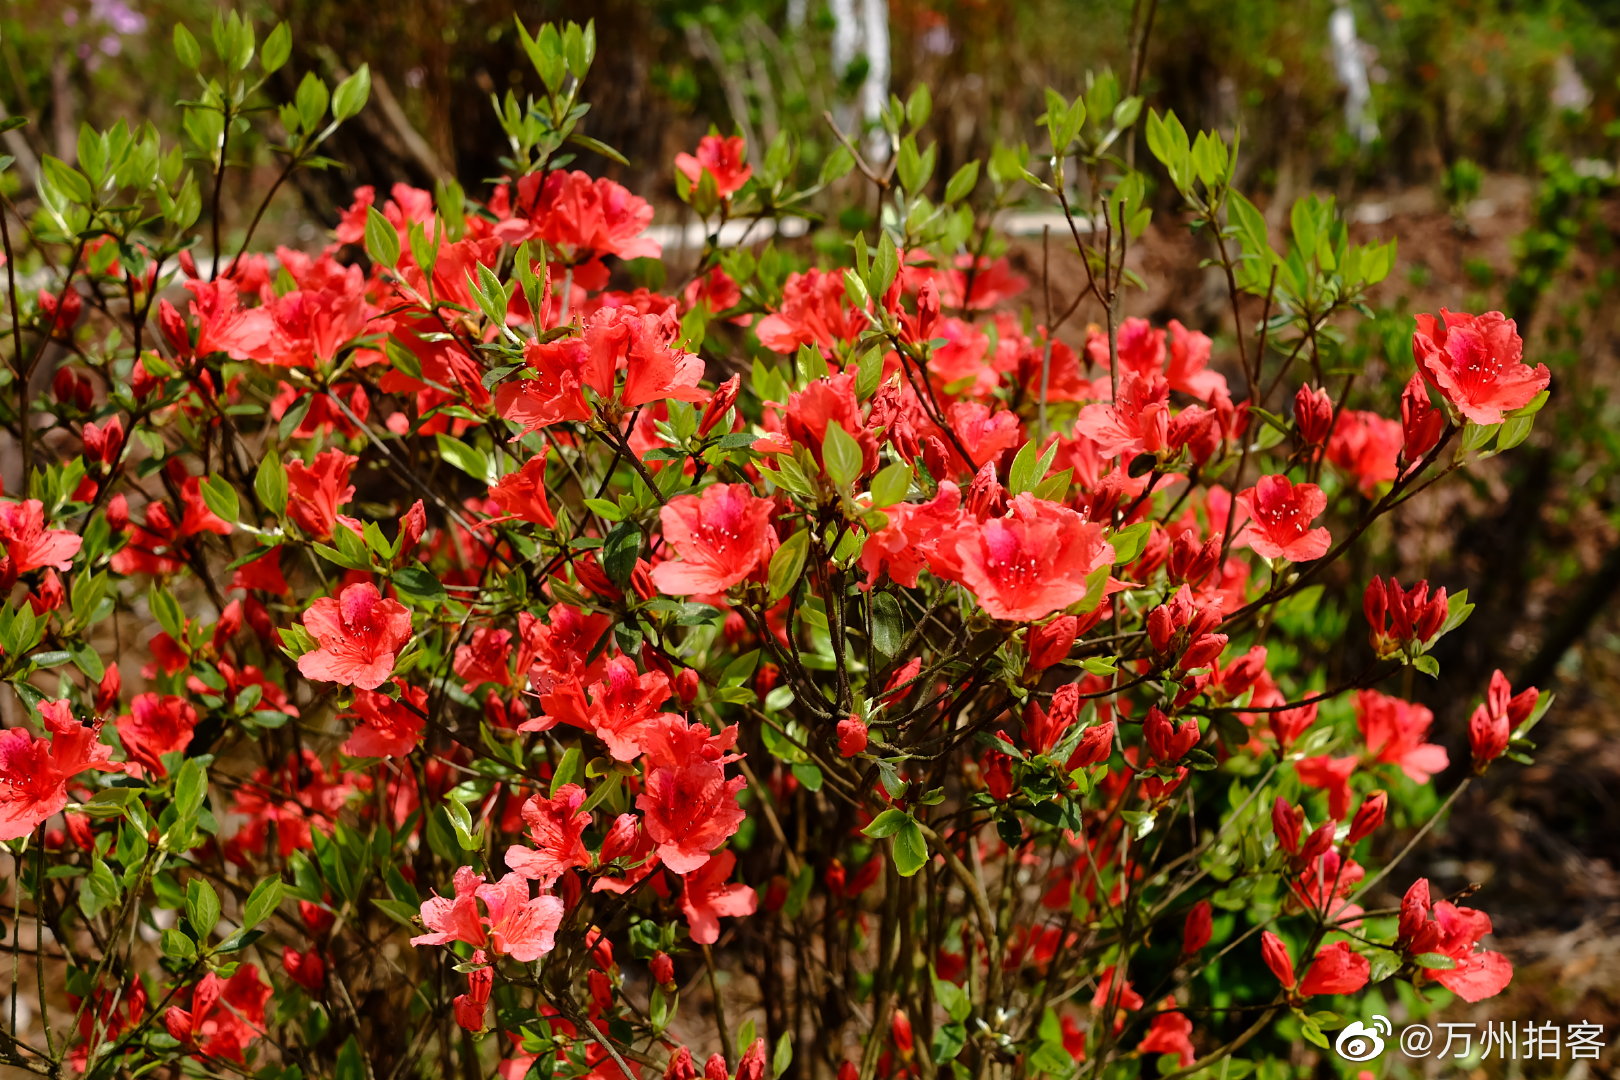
[(425, 652)]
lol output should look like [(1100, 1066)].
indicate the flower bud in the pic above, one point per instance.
[(1369, 816), (851, 736)]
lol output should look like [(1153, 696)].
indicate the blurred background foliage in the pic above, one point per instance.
[(1487, 145)]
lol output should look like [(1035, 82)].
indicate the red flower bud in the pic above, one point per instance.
[(1166, 742), (1275, 954), (663, 969), (1313, 415), (1287, 822), (851, 736), (1196, 932), (680, 1066), (1096, 744), (1421, 423), (1052, 642), (725, 396), (1368, 817)]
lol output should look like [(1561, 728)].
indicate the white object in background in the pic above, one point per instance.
[(1350, 61)]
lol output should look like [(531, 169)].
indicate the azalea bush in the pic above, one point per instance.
[(477, 645)]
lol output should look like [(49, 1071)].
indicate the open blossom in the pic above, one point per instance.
[(1454, 932), (1476, 363), (814, 311), (721, 537), (29, 545), (646, 348), (555, 826), (522, 494), (225, 1015), (722, 158), (499, 916), (386, 727), (905, 546), (359, 634), (157, 724), (1396, 731), (316, 492), (34, 772), (708, 893), (689, 806), (1038, 559), (1280, 515), (1336, 969), (579, 217)]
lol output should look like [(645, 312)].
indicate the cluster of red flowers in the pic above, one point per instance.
[(671, 634)]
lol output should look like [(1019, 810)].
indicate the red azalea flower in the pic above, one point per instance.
[(555, 826), (851, 736), (908, 543), (29, 544), (722, 536), (359, 634), (582, 218), (157, 724), (814, 311), (1476, 363), (1329, 774), (1454, 932), (722, 158), (34, 772), (690, 807), (1169, 1033), (1036, 560), (1395, 731), (1336, 970), (511, 923), (1280, 515), (225, 1015), (316, 492), (386, 727), (262, 573), (1275, 953), (708, 893), (522, 494)]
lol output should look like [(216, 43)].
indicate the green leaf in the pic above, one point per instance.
[(270, 483), (1434, 961), (787, 563), (885, 824), (842, 455), (382, 239), (909, 847), (782, 1056), (1129, 541), (221, 498), (962, 182), (186, 49), (891, 483), (202, 907), (464, 456), (277, 48), (569, 770), (262, 902), (350, 1064), (351, 94), (418, 585), (620, 550)]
